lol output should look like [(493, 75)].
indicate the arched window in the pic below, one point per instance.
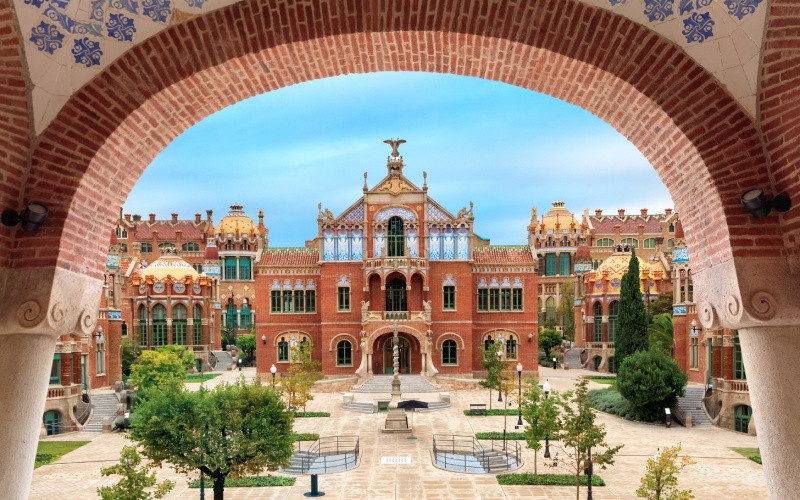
[(190, 246), (738, 362), (167, 245), (344, 353), (179, 324), (650, 243), (395, 243), (613, 311), (198, 267), (449, 352), (486, 343), (146, 247), (396, 295), (197, 320), (159, 325), (631, 242), (741, 418), (598, 322), (142, 325), (550, 307), (244, 315), (52, 422), (605, 242), (283, 349), (511, 347), (670, 243), (672, 228), (230, 316), (245, 245)]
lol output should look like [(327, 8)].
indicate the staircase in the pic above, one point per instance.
[(360, 407), (434, 406), (301, 462), (493, 461), (105, 407), (691, 404), (224, 360), (408, 384), (572, 358)]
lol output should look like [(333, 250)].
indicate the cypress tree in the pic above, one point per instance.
[(632, 319)]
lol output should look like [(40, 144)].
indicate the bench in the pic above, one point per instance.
[(477, 409)]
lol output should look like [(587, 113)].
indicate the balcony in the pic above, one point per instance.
[(392, 316), (64, 391), (396, 263), (600, 345), (730, 385)]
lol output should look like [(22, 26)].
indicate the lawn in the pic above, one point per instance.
[(50, 451), (602, 379), (200, 377), (753, 454)]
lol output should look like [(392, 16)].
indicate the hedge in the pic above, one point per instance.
[(499, 435), (248, 482), (529, 479)]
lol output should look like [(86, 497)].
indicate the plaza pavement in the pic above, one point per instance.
[(718, 473)]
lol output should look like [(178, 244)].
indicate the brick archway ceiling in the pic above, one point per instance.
[(634, 79)]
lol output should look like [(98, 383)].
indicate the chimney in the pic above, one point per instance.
[(621, 212), (137, 218), (128, 217), (174, 218), (197, 218), (644, 212), (208, 214), (152, 218), (667, 211), (598, 213)]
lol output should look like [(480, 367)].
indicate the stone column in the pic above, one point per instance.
[(36, 306), (771, 362)]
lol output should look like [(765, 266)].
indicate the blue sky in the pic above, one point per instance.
[(505, 148)]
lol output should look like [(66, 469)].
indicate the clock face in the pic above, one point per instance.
[(142, 289), (196, 288), (179, 287), (158, 287)]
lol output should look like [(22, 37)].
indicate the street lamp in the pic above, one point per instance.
[(546, 389), (273, 370), (589, 472), (519, 398), (499, 388)]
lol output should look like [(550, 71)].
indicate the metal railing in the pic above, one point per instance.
[(461, 448), (328, 454)]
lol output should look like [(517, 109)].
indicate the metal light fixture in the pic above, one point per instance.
[(519, 398), (546, 389), (264, 341), (273, 370), (756, 203), (31, 218)]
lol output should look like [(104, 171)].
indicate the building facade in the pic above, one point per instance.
[(397, 260)]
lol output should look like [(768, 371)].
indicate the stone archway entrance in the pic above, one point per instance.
[(409, 354)]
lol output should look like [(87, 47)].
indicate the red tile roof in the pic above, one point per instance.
[(502, 254), (190, 230), (629, 224), (289, 257)]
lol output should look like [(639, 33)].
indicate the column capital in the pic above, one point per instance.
[(747, 292), (49, 301)]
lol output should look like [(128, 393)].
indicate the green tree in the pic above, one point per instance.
[(632, 320), (541, 414), (661, 304), (247, 344), (160, 368), (660, 332), (493, 364), (566, 310), (230, 431), (186, 356), (129, 355), (135, 480), (660, 481), (549, 338), (578, 432), (651, 381), (302, 374)]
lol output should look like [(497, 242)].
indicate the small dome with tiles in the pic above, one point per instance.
[(170, 264), (236, 223)]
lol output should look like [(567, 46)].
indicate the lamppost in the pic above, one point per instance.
[(273, 370), (499, 386), (546, 389), (147, 326), (589, 471), (519, 398)]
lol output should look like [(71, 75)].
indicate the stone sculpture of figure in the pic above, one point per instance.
[(364, 340), (364, 310), (462, 213), (428, 341), (426, 304), (395, 143)]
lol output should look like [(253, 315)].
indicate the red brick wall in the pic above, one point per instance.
[(677, 114)]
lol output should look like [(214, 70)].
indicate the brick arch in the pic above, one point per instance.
[(625, 74)]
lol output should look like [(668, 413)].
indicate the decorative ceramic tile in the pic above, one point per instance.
[(741, 8), (403, 213), (658, 10), (356, 214), (678, 310), (697, 27)]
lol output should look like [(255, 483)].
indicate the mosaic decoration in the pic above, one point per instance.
[(517, 282), (741, 8), (678, 310), (658, 10), (46, 37), (482, 283), (434, 244), (120, 27), (157, 10), (298, 285), (380, 241), (450, 281), (433, 213), (494, 283), (114, 314), (356, 214), (690, 5), (412, 242), (328, 245), (680, 254), (112, 262), (583, 268), (287, 284), (615, 283), (343, 281), (617, 2), (505, 283), (342, 245), (598, 285), (211, 270), (448, 244), (87, 52), (698, 27), (310, 285), (403, 213), (462, 244), (357, 244)]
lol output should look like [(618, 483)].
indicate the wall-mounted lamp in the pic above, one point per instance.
[(264, 339), (99, 334), (756, 203), (530, 337), (31, 218)]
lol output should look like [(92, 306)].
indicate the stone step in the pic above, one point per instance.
[(104, 406), (408, 384), (360, 407)]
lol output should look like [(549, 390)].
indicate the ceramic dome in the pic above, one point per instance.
[(236, 223), (170, 264)]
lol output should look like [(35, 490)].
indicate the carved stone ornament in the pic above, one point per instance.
[(50, 301), (747, 292)]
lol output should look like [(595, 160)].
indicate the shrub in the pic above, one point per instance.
[(651, 381), (305, 436), (525, 479), (499, 435), (250, 482), (312, 414), (611, 401), (491, 413)]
